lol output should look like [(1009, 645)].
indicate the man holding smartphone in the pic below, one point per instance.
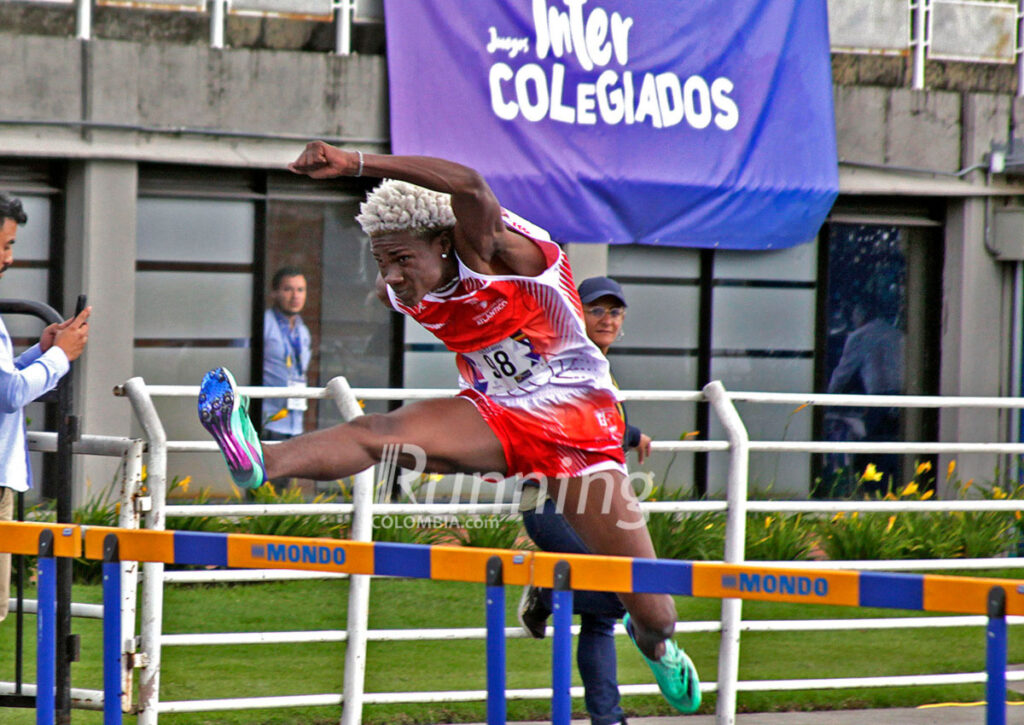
[(23, 379)]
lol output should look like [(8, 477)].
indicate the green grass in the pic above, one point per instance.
[(259, 670)]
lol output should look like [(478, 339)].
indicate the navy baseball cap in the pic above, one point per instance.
[(595, 288)]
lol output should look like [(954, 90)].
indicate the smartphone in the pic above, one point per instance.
[(80, 305)]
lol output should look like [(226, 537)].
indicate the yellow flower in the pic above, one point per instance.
[(890, 496), (711, 526), (279, 415), (892, 521), (998, 492), (839, 516), (910, 489), (923, 468), (183, 484), (690, 434), (798, 409), (768, 521), (871, 473), (1016, 515), (362, 403), (144, 472), (928, 495), (950, 468)]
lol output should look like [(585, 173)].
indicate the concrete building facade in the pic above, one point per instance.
[(122, 140)]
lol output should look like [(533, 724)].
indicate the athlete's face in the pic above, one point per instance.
[(413, 266), (604, 317)]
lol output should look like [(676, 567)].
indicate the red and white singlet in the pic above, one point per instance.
[(526, 362)]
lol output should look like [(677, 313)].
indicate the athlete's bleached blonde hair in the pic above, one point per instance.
[(398, 206)]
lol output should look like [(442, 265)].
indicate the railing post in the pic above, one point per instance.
[(921, 10), (495, 642), (128, 518), (112, 642), (218, 19), (561, 646), (46, 632), (153, 580), (359, 584), (343, 26), (995, 658), (83, 19), (735, 533)]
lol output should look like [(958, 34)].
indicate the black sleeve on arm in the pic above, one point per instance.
[(631, 439)]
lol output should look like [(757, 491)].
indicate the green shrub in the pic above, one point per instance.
[(393, 529), (212, 524), (779, 537), (489, 532), (309, 525), (692, 536)]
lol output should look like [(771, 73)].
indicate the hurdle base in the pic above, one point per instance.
[(25, 701)]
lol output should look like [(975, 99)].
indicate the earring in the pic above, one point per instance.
[(444, 255)]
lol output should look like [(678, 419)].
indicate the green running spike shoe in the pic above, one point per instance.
[(675, 673), (225, 415)]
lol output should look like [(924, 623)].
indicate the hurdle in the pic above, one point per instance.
[(564, 573)]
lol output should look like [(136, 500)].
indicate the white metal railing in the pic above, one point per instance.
[(972, 31), (731, 624)]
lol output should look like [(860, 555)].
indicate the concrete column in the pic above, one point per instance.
[(587, 260), (99, 260), (975, 338)]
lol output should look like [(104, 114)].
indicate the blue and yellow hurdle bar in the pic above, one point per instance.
[(564, 573)]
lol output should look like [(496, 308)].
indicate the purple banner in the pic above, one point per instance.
[(703, 123)]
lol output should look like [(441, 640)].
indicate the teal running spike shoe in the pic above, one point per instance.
[(675, 673), (225, 415)]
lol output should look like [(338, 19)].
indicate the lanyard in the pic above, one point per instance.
[(293, 339)]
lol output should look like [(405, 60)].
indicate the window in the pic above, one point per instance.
[(879, 334), (195, 289), (745, 318), (351, 330), (208, 245)]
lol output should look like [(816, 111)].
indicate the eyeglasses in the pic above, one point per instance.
[(598, 312)]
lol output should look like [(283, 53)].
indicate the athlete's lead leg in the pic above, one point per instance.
[(446, 435)]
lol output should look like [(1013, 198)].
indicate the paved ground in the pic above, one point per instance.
[(927, 716)]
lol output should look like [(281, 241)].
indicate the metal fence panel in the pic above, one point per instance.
[(305, 8), (973, 31), (869, 26), (192, 6)]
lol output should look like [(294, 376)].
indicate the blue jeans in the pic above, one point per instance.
[(595, 653)]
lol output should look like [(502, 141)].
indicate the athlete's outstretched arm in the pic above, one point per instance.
[(481, 238)]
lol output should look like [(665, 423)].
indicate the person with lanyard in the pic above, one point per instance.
[(287, 349), (604, 311), (536, 397)]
